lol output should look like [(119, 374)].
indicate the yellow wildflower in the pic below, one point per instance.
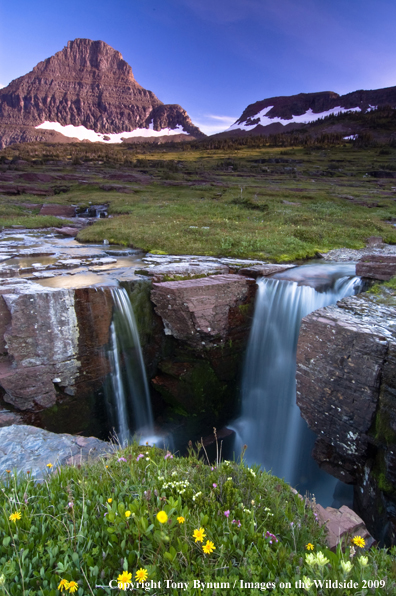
[(14, 516), (72, 587), (50, 466), (123, 579), (181, 519), (199, 535), (162, 517), (359, 541), (8, 471), (309, 546), (208, 548), (109, 500), (141, 575), (127, 513), (64, 585)]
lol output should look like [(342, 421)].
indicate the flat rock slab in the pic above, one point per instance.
[(374, 266), (184, 269), (342, 523), (58, 210), (28, 448), (351, 254), (198, 309), (67, 231), (263, 270)]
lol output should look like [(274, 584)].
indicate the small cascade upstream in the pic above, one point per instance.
[(270, 423), (129, 390)]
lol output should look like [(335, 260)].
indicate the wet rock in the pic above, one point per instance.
[(346, 391), (52, 352), (7, 418), (342, 523), (42, 343), (183, 269), (197, 310), (26, 448), (382, 267), (67, 231), (10, 271), (350, 254), (206, 328), (263, 270), (58, 210), (103, 261)]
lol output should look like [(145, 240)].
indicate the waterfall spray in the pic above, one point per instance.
[(129, 387), (270, 422)]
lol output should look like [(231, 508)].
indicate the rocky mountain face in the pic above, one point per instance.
[(278, 114), (87, 83)]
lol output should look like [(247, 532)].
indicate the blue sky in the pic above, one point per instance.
[(214, 57)]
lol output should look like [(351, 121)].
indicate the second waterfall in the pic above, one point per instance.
[(128, 391), (270, 423)]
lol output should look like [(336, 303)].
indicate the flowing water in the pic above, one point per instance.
[(129, 392), (270, 423)]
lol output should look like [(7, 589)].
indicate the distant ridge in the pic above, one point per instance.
[(280, 114), (87, 84)]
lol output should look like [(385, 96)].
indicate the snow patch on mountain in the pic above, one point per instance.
[(306, 118), (85, 134)]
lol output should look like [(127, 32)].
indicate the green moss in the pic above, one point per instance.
[(382, 431)]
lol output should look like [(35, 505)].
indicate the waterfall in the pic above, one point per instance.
[(270, 423), (128, 391)]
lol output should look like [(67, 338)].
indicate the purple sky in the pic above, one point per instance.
[(214, 57)]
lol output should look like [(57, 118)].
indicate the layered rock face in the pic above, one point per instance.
[(52, 360), (346, 391), (207, 323), (87, 83)]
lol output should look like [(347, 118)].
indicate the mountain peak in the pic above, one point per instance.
[(88, 84), (86, 59)]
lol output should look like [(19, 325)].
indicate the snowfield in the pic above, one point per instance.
[(85, 134), (309, 116)]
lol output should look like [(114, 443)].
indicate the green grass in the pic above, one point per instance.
[(231, 201), (91, 524), (33, 221)]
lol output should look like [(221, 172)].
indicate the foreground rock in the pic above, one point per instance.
[(29, 449), (346, 391), (342, 525)]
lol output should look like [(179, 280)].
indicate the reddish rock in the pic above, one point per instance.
[(67, 231), (198, 310), (381, 267), (342, 525), (58, 210), (36, 177), (263, 270), (87, 83), (346, 391)]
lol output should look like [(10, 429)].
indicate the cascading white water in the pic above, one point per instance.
[(270, 423), (130, 392)]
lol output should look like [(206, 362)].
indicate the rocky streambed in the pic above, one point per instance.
[(194, 316)]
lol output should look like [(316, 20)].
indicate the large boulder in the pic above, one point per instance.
[(27, 449), (206, 322), (382, 267), (346, 391), (52, 357)]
